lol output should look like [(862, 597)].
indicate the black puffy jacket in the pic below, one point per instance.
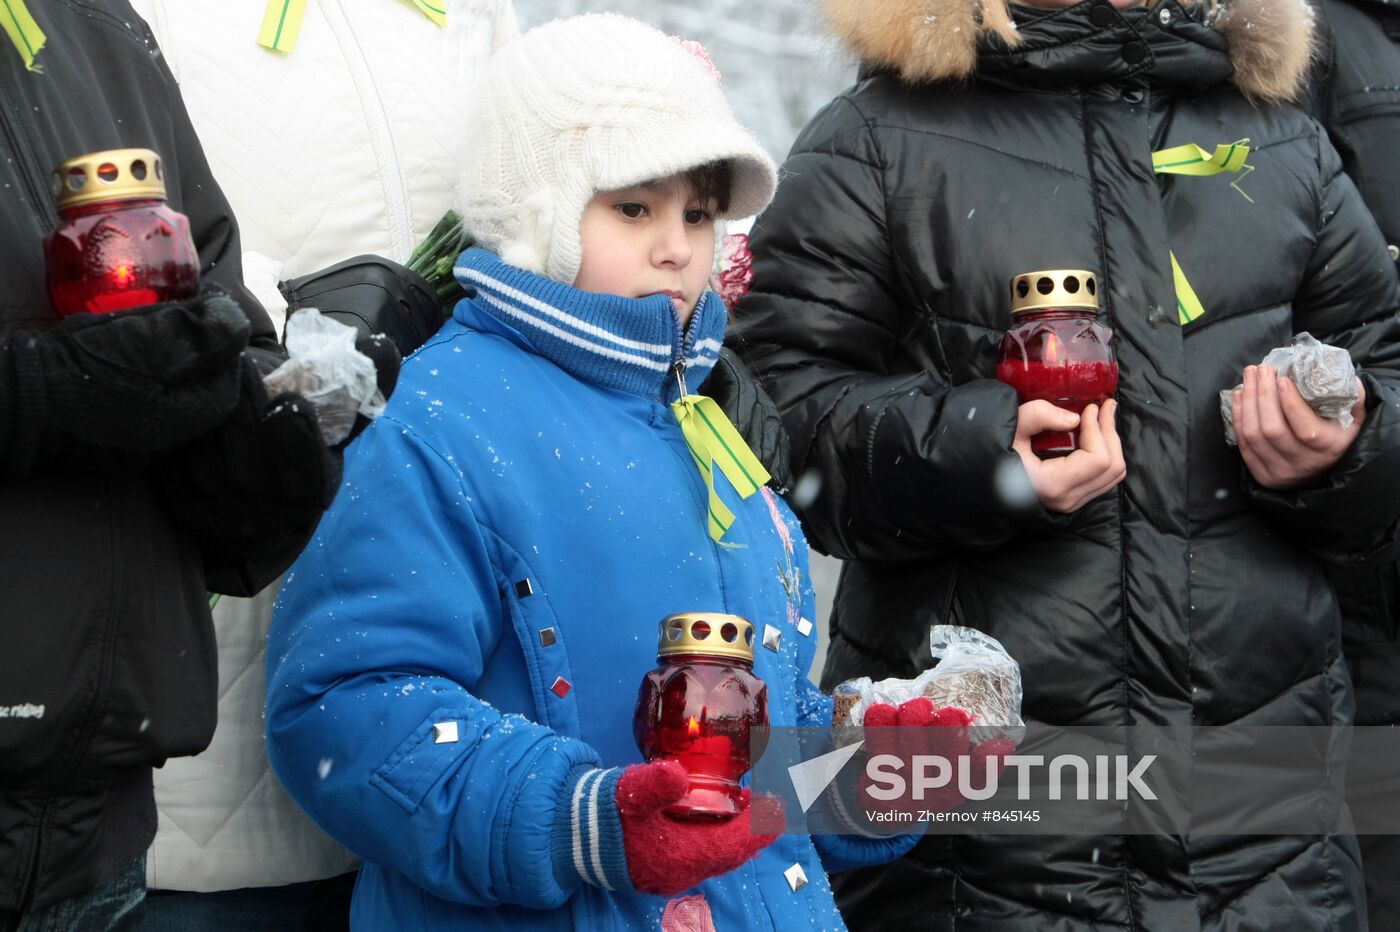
[(1188, 595), (1355, 92), (107, 663)]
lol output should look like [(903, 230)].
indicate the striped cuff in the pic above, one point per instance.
[(587, 842)]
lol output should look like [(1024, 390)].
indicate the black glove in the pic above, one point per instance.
[(737, 392), (252, 490), (100, 390), (387, 362), (373, 295)]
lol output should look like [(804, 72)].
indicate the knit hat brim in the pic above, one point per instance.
[(754, 176), (586, 105)]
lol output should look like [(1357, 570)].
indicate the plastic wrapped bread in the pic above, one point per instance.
[(973, 672), (1324, 374)]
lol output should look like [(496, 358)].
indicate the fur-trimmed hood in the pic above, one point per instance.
[(1269, 42)]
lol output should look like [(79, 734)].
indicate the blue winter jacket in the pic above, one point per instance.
[(459, 649)]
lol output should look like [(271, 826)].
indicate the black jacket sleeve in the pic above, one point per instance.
[(906, 464), (1350, 298), (1355, 99)]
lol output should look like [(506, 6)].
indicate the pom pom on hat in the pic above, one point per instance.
[(593, 103)]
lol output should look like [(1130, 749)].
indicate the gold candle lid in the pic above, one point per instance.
[(1034, 291), (111, 175), (709, 633)]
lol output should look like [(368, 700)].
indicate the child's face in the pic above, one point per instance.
[(658, 238)]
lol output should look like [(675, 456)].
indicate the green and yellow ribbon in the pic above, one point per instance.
[(281, 23), (435, 11), (26, 35), (1188, 306), (714, 442), (1191, 159)]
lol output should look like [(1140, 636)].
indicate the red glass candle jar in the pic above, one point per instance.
[(1057, 350), (117, 244), (698, 707)]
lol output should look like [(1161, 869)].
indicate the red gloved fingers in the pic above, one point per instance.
[(914, 738), (919, 735), (945, 736), (878, 740), (951, 715), (666, 856), (646, 789), (881, 739), (992, 751), (916, 712)]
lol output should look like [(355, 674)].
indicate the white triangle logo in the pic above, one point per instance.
[(811, 777)]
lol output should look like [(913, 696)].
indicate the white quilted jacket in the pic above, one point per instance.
[(350, 144)]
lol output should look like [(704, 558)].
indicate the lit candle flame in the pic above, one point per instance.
[(1052, 349), (122, 275), (693, 727)]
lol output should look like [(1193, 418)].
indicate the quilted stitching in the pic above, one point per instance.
[(297, 162)]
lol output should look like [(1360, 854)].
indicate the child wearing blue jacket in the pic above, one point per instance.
[(455, 659)]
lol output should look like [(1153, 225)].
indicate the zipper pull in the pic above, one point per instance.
[(679, 370)]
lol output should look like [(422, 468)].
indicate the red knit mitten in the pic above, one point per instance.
[(915, 729), (666, 856)]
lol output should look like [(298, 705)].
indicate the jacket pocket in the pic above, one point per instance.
[(419, 762)]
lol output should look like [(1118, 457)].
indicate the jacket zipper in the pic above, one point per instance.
[(697, 485), (678, 361), (381, 137)]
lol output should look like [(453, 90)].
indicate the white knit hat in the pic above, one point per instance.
[(593, 103)]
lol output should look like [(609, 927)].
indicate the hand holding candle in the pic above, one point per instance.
[(667, 855), (1066, 483), (1059, 358)]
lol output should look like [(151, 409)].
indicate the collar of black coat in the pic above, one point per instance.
[(1263, 46)]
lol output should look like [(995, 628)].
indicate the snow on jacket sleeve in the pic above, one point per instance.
[(383, 628), (1349, 298), (904, 470)]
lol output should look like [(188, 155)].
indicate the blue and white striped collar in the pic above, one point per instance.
[(632, 344)]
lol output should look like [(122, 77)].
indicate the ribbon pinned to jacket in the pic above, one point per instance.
[(1188, 306), (26, 35), (436, 10), (1191, 159), (713, 441), (281, 23)]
